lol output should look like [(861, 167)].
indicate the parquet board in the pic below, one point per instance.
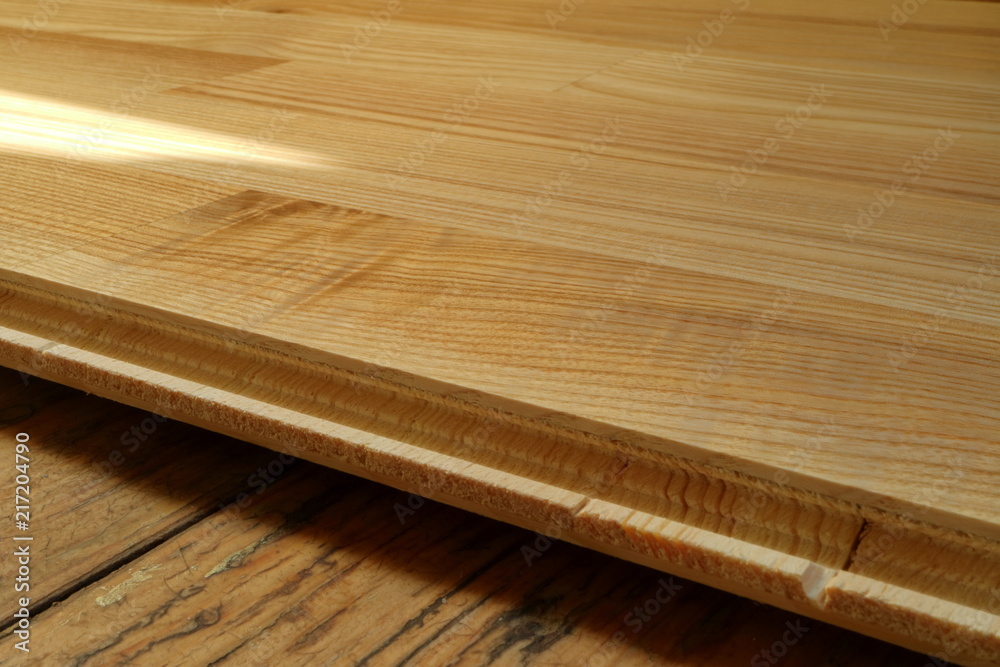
[(712, 287), (320, 568)]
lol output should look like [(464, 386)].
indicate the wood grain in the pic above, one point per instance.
[(99, 492), (320, 568), (730, 311)]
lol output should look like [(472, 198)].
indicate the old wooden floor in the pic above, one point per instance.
[(139, 564)]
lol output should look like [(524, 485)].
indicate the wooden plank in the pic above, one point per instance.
[(649, 194), (537, 295), (110, 74), (946, 39), (890, 612), (112, 198), (278, 249), (327, 569), (659, 115), (443, 54)]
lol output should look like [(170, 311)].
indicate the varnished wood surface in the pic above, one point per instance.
[(324, 569), (710, 286)]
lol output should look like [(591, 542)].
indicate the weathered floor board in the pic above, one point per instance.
[(103, 496)]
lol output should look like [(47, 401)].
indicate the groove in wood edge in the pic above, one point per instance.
[(132, 339), (108, 327), (891, 613), (819, 531), (922, 562), (114, 333)]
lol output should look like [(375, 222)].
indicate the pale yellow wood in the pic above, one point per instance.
[(330, 281), (513, 262), (892, 612)]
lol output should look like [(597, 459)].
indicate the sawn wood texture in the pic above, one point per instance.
[(707, 286)]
